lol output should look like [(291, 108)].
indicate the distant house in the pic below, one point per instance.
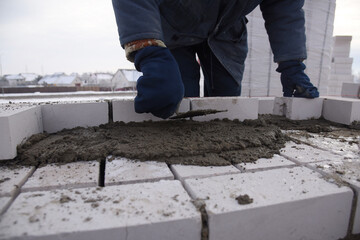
[(125, 79), (31, 78), (103, 79), (60, 79), (22, 79), (87, 80), (3, 82), (15, 80), (97, 79)]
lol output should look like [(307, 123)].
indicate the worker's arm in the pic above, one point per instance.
[(285, 25), (160, 89), (137, 20)]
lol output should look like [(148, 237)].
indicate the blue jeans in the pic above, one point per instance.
[(217, 80)]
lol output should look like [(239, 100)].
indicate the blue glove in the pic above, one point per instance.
[(294, 80), (160, 89)]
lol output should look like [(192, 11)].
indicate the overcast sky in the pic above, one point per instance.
[(47, 36)]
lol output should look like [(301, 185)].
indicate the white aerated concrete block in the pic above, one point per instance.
[(282, 203), (71, 175), (298, 108), (147, 211), (307, 154), (16, 126), (347, 170), (189, 171), (344, 146), (356, 226), (12, 179), (124, 111), (234, 108), (124, 171), (350, 90), (344, 111), (343, 60), (183, 108), (261, 164), (4, 201), (57, 117), (266, 105)]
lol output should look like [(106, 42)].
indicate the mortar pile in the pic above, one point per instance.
[(212, 143)]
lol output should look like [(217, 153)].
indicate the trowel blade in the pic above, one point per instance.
[(196, 113)]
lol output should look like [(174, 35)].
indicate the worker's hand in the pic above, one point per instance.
[(160, 89), (294, 80)]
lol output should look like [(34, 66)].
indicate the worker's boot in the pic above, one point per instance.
[(294, 80)]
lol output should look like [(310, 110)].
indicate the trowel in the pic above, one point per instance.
[(194, 113)]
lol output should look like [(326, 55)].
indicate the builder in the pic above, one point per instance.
[(162, 38)]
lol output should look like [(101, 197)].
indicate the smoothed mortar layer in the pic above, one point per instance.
[(216, 143)]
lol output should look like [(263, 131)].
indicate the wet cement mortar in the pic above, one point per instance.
[(214, 143)]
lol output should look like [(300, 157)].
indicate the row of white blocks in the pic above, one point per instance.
[(18, 125), (335, 159), (63, 201), (149, 200), (340, 110)]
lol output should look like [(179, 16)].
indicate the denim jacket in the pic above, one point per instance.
[(220, 22)]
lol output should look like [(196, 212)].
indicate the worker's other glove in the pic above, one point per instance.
[(294, 80), (160, 89)]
